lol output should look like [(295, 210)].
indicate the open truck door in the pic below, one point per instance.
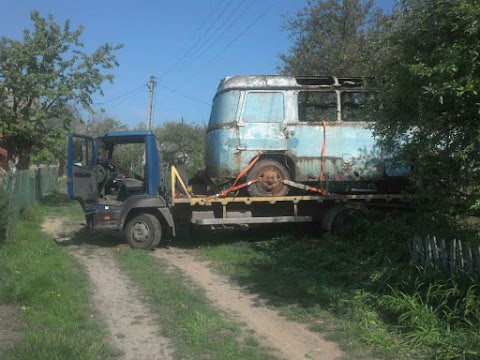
[(81, 172)]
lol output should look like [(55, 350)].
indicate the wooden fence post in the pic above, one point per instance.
[(469, 257), (461, 260), (421, 252), (434, 246), (428, 249), (415, 249), (444, 254), (453, 254)]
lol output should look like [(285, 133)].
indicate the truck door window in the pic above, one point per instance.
[(317, 106), (264, 107), (82, 151), (354, 106)]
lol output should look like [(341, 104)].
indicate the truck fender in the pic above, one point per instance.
[(167, 215)]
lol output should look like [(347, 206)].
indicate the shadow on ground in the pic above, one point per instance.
[(308, 274), (191, 237), (85, 236), (286, 265)]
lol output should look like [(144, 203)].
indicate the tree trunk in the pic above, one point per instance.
[(19, 153), (24, 160)]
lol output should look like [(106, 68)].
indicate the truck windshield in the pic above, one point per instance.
[(224, 109)]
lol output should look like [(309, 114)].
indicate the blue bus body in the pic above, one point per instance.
[(288, 119)]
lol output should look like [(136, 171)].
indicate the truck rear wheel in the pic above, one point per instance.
[(346, 220), (143, 231), (270, 173)]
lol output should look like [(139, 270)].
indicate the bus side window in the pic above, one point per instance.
[(355, 107), (317, 106)]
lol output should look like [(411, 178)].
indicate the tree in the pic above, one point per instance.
[(335, 37), (97, 124), (41, 77), (430, 108), (182, 143)]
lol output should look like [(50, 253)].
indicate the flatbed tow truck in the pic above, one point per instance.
[(139, 206)]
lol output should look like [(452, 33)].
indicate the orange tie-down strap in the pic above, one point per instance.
[(324, 147), (306, 187), (234, 186), (319, 190)]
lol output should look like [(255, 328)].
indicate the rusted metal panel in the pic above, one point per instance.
[(351, 152), (285, 82), (222, 153)]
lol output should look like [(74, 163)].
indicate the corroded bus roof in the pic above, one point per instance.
[(285, 81)]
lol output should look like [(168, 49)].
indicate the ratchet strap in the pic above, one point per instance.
[(234, 186)]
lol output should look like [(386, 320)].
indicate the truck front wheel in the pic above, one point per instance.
[(143, 231)]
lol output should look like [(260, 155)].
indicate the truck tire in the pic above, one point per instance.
[(346, 220), (270, 173), (143, 231)]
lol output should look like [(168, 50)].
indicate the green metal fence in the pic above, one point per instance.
[(26, 187)]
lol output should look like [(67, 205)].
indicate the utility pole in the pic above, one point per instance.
[(151, 86)]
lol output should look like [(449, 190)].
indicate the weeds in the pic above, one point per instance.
[(361, 290)]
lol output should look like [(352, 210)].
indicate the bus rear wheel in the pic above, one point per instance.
[(270, 174)]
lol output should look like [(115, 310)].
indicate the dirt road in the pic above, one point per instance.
[(130, 323), (289, 340), (132, 326)]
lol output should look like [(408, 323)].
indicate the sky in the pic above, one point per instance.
[(188, 45)]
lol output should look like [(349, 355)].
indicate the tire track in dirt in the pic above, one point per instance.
[(128, 319), (288, 339)]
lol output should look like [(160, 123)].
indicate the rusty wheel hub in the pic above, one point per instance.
[(270, 181)]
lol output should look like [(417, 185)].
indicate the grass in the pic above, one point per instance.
[(360, 290), (196, 329), (52, 291)]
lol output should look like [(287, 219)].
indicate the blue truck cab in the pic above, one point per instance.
[(118, 182), (307, 129)]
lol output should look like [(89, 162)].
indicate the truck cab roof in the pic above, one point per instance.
[(123, 137)]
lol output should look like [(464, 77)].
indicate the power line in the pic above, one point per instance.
[(118, 97), (186, 96), (128, 98), (187, 53), (218, 30), (253, 23), (205, 20)]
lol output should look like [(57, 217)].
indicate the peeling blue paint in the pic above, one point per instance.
[(263, 113)]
